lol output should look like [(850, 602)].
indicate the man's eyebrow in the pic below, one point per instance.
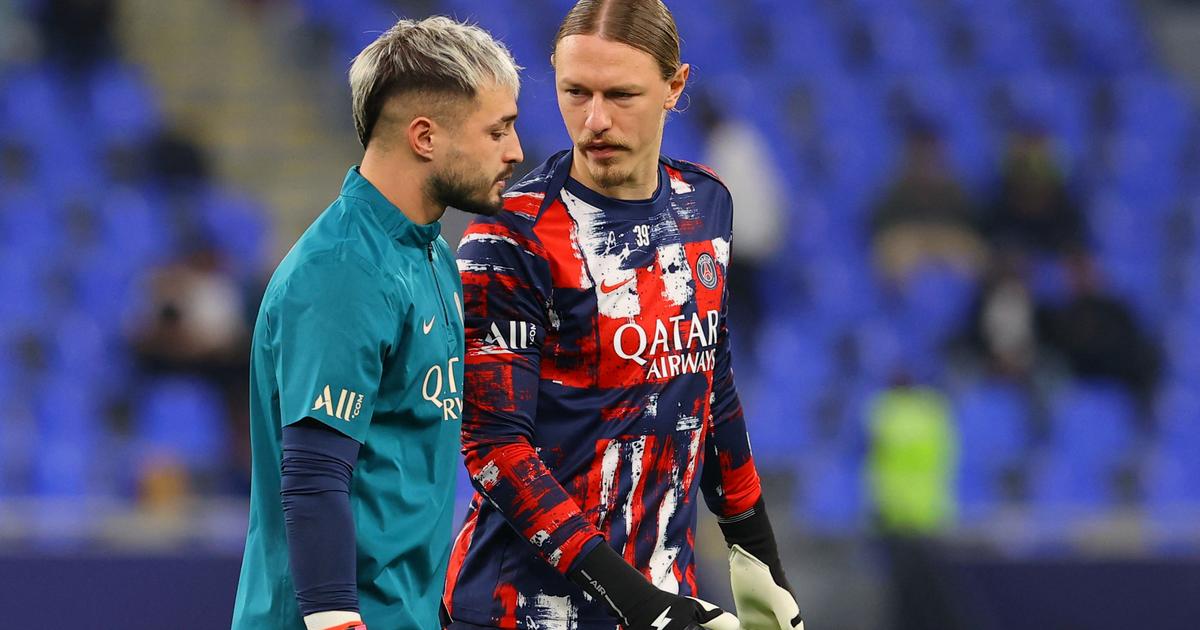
[(507, 119), (629, 87)]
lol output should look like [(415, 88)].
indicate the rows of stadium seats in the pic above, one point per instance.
[(831, 85), (89, 207)]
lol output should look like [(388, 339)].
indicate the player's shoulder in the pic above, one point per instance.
[(325, 264), (693, 174)]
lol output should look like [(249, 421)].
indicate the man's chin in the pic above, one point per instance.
[(489, 208), (608, 176)]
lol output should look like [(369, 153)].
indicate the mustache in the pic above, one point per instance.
[(588, 139), (507, 174)]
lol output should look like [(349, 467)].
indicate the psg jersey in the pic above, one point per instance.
[(599, 399)]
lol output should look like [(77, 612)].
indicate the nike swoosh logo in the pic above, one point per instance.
[(605, 287), (428, 326)]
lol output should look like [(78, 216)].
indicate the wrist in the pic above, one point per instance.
[(607, 577), (752, 531), (334, 620)]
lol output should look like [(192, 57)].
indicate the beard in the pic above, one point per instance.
[(455, 188), (607, 173), (610, 175)]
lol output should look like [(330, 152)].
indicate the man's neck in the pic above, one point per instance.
[(642, 185), (400, 186)]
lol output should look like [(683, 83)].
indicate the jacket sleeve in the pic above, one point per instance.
[(506, 288), (729, 480)]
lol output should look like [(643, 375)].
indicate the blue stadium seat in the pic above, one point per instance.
[(993, 420), (34, 102), (238, 226), (840, 288), (1092, 418), (1171, 489), (137, 225), (31, 224), (106, 288), (935, 301), (903, 42), (1057, 103), (1181, 346), (358, 28), (70, 439), (1063, 488), (782, 406), (26, 302), (186, 419), (706, 41), (1178, 414), (1004, 40), (1172, 481), (514, 23), (1091, 434), (831, 499), (1048, 280), (805, 45), (124, 109), (1107, 33), (953, 105)]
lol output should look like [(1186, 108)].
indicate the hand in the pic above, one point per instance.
[(666, 611), (761, 603), (604, 575)]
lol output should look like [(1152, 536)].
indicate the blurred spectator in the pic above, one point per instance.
[(912, 459), (740, 154), (1034, 212), (1098, 335), (925, 215), (194, 318), (17, 38), (911, 474), (194, 324), (178, 163), (1003, 329), (77, 33)]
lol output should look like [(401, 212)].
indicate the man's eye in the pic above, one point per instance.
[(622, 95), (574, 91)]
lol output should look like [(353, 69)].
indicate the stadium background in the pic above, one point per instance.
[(968, 321)]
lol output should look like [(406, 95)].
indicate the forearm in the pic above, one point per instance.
[(316, 468), (512, 476), (729, 479)]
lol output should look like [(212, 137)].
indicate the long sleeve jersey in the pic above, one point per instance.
[(598, 395)]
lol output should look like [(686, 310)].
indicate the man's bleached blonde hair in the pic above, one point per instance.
[(442, 62)]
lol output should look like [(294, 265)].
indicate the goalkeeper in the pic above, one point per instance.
[(599, 398), (357, 358)]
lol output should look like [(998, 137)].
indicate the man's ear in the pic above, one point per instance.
[(421, 132), (676, 85)]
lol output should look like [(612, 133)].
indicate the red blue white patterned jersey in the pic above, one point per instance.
[(598, 392)]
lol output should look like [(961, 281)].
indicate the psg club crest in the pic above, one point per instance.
[(706, 271)]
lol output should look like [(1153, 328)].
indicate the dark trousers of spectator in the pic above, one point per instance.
[(745, 303), (922, 595)]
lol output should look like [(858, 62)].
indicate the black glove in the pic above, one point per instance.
[(604, 574)]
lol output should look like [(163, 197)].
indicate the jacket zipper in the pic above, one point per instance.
[(437, 283)]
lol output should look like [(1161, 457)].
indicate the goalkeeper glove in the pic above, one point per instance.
[(760, 589), (334, 620), (604, 574), (761, 603)]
